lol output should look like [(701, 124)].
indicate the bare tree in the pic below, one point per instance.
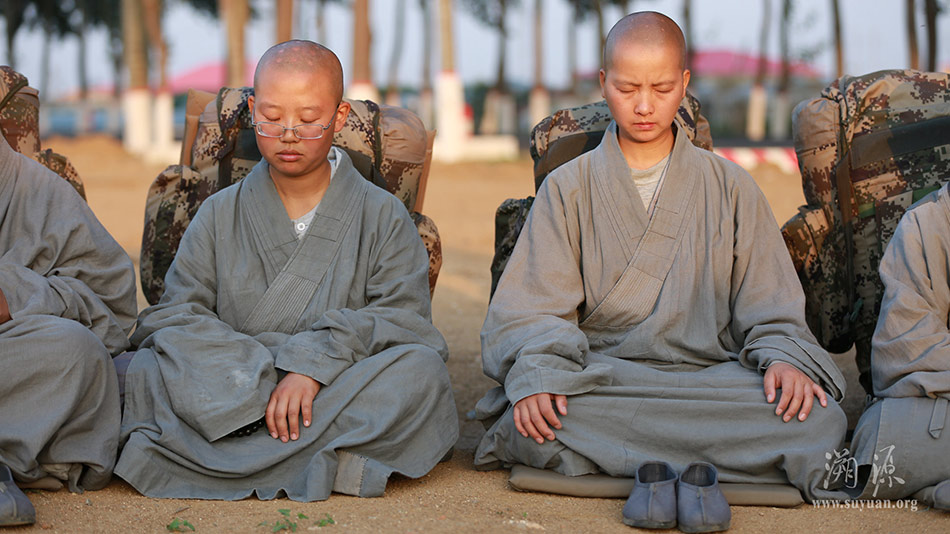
[(494, 13), (931, 10), (392, 82), (839, 49), (755, 115), (362, 83), (235, 14), (133, 44), (780, 117), (285, 20), (911, 13), (688, 31), (152, 15)]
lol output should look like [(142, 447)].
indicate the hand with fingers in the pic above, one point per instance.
[(798, 391), (535, 412), (291, 401), (4, 308)]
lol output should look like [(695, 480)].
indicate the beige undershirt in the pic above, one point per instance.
[(300, 224), (648, 181)]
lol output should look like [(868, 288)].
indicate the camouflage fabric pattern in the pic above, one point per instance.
[(19, 123), (387, 146), (568, 133), (429, 234), (509, 221), (19, 112), (561, 137), (61, 165), (888, 133)]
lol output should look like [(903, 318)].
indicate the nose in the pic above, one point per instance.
[(644, 104), (289, 136)]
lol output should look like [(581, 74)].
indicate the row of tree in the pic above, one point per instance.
[(136, 37)]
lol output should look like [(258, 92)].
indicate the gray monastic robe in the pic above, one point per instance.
[(658, 329), (71, 292), (907, 428), (245, 301)]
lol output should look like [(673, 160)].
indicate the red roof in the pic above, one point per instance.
[(729, 63), (208, 77)]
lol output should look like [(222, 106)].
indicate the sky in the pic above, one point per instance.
[(874, 38)]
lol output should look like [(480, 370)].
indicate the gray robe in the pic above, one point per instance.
[(71, 292), (658, 329), (245, 302), (902, 442)]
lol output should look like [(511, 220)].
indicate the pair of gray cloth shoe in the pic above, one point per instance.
[(692, 501), (15, 508)]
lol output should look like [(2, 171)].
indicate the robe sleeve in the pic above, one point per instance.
[(217, 379), (531, 342), (911, 346), (397, 309), (766, 300), (66, 264)]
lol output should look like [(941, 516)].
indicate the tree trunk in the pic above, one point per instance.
[(758, 101), (502, 44), (426, 45), (601, 36), (572, 50), (44, 62), (839, 48), (911, 12), (285, 20), (392, 83), (931, 9), (362, 68), (321, 21), (688, 30), (133, 44), (780, 109), (538, 45), (235, 14), (446, 37), (152, 10), (81, 59)]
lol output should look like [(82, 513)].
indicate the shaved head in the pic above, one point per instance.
[(302, 56), (645, 28)]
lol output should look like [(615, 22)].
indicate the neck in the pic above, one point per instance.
[(301, 193), (642, 156)]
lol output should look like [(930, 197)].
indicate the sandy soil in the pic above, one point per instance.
[(453, 497)]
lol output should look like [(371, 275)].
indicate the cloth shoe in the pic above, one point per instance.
[(15, 508), (701, 506), (942, 496), (652, 502)]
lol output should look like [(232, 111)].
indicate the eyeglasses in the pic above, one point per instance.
[(302, 131)]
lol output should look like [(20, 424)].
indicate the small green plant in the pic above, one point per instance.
[(179, 525), (286, 522), (326, 521)]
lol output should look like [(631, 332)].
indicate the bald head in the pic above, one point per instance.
[(301, 56), (645, 28)]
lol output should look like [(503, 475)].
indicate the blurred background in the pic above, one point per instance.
[(489, 68)]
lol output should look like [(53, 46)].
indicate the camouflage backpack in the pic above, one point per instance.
[(868, 148), (389, 146), (19, 123), (561, 137)]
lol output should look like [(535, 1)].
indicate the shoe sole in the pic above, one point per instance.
[(705, 528), (646, 523), (16, 522)]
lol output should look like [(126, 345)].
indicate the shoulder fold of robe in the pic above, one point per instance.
[(910, 354), (245, 298), (706, 279), (56, 258)]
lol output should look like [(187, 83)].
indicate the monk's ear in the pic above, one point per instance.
[(342, 111), (603, 78), (250, 105), (685, 80)]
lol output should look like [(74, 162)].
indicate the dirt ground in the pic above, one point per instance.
[(453, 497)]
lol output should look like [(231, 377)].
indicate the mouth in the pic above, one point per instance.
[(289, 155), (644, 125)]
